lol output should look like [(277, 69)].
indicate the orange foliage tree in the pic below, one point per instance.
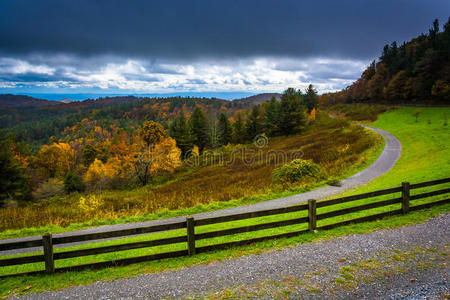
[(100, 174), (312, 116)]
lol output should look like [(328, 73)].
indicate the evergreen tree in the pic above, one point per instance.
[(272, 119), (433, 33), (13, 183), (200, 129), (293, 117), (255, 123), (238, 135), (311, 98), (181, 131), (73, 183), (224, 130)]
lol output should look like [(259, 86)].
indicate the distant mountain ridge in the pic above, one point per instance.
[(21, 101), (258, 99)]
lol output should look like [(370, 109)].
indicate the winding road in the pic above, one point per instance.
[(383, 164)]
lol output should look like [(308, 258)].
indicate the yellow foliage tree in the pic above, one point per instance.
[(195, 151), (152, 132), (166, 156), (163, 156), (99, 172), (55, 160), (312, 116)]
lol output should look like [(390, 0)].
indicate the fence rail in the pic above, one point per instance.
[(190, 224)]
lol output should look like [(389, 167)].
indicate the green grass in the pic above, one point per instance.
[(425, 147), (425, 156)]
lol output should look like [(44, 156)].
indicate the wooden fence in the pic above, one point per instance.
[(49, 257)]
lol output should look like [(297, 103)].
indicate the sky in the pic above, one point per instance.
[(208, 47)]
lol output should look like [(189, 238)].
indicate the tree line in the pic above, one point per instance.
[(271, 118)]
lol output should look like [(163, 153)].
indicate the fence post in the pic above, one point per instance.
[(405, 197), (190, 235), (48, 253), (312, 212)]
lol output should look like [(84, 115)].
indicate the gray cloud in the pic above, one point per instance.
[(196, 81), (200, 45), (178, 29)]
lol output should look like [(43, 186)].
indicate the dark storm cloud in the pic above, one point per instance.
[(194, 29)]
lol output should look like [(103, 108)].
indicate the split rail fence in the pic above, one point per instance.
[(190, 224)]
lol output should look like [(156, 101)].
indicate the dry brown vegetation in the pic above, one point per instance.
[(335, 145), (359, 112)]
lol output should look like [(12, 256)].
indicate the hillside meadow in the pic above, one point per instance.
[(215, 178)]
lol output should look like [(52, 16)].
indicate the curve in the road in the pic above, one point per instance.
[(383, 164)]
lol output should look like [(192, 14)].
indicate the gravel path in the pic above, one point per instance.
[(383, 164), (408, 262)]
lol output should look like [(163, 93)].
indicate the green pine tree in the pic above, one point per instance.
[(13, 183), (311, 98), (200, 128), (293, 118), (181, 131), (272, 118), (239, 134), (255, 123), (224, 129)]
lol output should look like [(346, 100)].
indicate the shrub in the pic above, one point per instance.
[(50, 188), (73, 183), (90, 203), (298, 170)]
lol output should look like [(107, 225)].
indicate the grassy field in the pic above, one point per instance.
[(425, 146), (425, 156), (211, 183)]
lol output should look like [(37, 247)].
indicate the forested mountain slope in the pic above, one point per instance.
[(34, 121), (415, 72)]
